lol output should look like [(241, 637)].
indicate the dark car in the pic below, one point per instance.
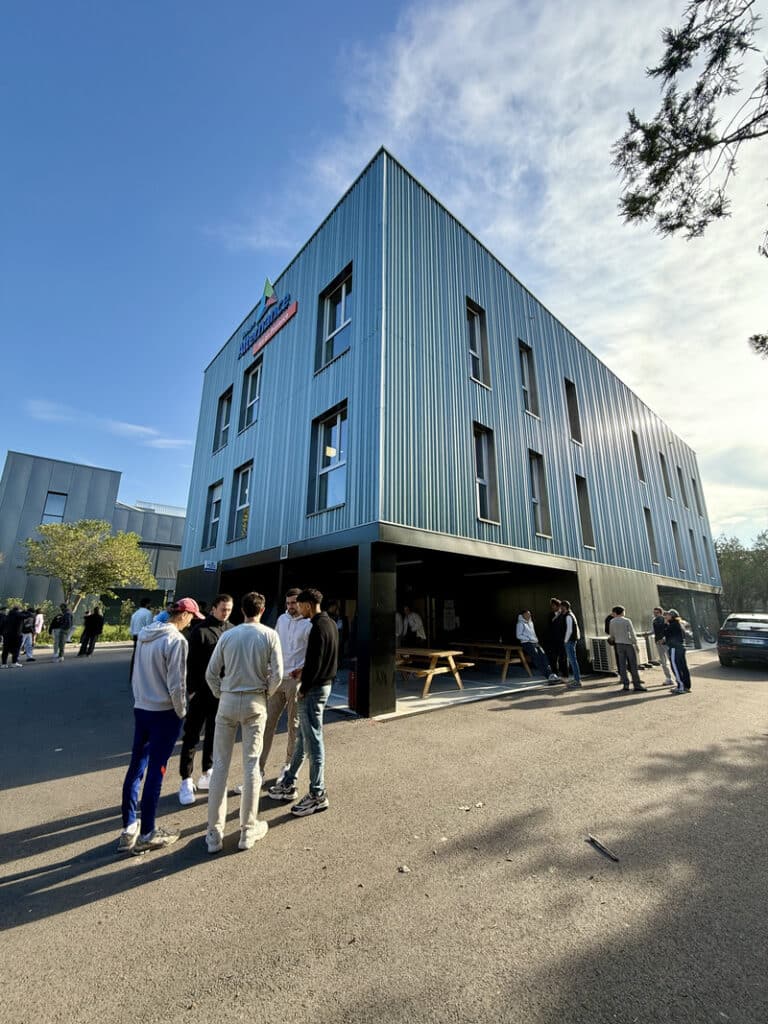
[(743, 635)]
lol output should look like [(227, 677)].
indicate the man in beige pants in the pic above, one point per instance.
[(245, 669)]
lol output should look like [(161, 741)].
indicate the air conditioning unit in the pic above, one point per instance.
[(603, 656)]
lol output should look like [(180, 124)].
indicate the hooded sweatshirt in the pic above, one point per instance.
[(160, 669), (526, 634)]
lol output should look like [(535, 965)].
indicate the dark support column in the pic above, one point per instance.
[(376, 600)]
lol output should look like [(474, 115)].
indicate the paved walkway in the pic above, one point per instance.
[(504, 914)]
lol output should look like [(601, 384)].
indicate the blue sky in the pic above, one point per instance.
[(161, 159)]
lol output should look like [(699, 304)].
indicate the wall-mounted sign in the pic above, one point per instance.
[(210, 566), (271, 315)]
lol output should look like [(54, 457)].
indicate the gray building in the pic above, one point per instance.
[(35, 490), (400, 421)]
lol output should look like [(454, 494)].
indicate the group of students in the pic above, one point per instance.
[(20, 628), (559, 653), (216, 677)]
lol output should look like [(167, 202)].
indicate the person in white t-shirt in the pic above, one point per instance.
[(140, 618)]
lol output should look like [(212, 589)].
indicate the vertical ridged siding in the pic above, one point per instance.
[(293, 395), (432, 265)]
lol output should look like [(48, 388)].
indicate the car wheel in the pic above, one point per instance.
[(726, 662)]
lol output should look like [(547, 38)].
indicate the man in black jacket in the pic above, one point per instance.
[(202, 704), (12, 636), (320, 666)]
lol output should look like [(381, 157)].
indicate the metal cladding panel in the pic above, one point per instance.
[(433, 265), (294, 394)]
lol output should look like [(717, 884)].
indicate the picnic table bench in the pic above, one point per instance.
[(426, 663), (499, 654)]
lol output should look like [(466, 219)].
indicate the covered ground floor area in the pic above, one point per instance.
[(466, 599)]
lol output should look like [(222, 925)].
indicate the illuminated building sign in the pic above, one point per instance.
[(272, 314)]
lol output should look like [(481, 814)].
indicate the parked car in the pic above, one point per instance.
[(743, 635)]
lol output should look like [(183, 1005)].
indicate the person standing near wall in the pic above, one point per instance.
[(28, 633), (202, 703), (553, 639), (658, 625), (93, 627), (12, 626), (674, 638), (526, 634), (414, 634), (622, 635), (570, 633)]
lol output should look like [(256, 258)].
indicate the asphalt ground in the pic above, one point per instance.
[(506, 913)]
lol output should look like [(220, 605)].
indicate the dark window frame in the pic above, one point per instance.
[(211, 528), (486, 479), (528, 378), (331, 343), (319, 475), (221, 431)]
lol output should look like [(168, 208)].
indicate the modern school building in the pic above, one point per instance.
[(399, 421)]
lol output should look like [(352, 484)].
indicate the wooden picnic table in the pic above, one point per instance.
[(426, 663), (500, 654)]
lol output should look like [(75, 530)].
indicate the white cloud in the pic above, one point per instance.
[(52, 412), (122, 429), (167, 442)]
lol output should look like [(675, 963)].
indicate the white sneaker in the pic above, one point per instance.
[(187, 792), (214, 842), (282, 774), (204, 782), (238, 789), (248, 837)]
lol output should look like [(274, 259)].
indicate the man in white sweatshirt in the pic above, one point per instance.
[(244, 671), (159, 683), (526, 634)]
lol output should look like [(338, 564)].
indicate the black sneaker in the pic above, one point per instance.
[(641, 689), (282, 792), (309, 804)]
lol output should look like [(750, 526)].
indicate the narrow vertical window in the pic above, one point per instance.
[(223, 416), (651, 536), (55, 503), (528, 379), (241, 502), (678, 545), (539, 497), (328, 484), (708, 556), (485, 474), (665, 475), (638, 456), (681, 482), (334, 318), (695, 553), (477, 343), (213, 515), (572, 403), (585, 512), (249, 404), (697, 496)]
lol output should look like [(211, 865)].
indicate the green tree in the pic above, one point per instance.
[(676, 168), (87, 558), (743, 572)]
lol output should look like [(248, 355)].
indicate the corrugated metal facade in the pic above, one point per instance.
[(412, 404), (433, 265)]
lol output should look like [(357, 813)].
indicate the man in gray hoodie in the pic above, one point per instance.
[(160, 703)]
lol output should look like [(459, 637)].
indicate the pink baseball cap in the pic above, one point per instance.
[(188, 604)]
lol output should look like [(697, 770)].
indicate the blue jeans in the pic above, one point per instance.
[(310, 739), (535, 655), (570, 653), (154, 738)]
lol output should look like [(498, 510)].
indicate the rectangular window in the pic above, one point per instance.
[(55, 503), (249, 404), (708, 556), (477, 341), (665, 475), (572, 402), (638, 456), (334, 319), (651, 536), (695, 553), (697, 496), (681, 482), (539, 498), (241, 502), (328, 484), (223, 416), (528, 379), (678, 545), (585, 513), (485, 474), (213, 514)]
